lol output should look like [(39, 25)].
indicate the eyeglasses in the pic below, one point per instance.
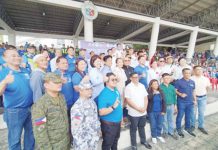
[(114, 80), (162, 61), (126, 60)]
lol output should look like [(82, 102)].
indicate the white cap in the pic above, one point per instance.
[(35, 58)]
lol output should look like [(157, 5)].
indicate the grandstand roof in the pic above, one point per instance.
[(28, 16)]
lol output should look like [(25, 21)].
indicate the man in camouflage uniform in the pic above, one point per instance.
[(49, 117), (85, 126)]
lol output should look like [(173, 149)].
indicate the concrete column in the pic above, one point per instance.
[(154, 38), (12, 39), (191, 45), (88, 30), (75, 41), (216, 48)]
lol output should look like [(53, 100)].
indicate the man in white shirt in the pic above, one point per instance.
[(136, 96), (58, 53), (202, 84)]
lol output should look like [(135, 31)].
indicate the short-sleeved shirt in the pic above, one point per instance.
[(169, 93), (72, 64), (187, 87), (136, 94), (201, 84), (140, 70), (2, 61), (17, 94), (106, 99), (67, 88), (76, 79)]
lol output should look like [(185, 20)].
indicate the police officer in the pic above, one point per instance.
[(49, 117), (85, 126)]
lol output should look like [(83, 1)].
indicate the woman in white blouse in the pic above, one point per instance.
[(154, 72), (96, 77), (121, 76)]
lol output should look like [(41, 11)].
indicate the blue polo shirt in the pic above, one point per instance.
[(106, 99), (76, 79), (21, 52), (2, 61), (17, 94), (72, 64), (142, 70), (187, 87), (2, 51), (67, 88)]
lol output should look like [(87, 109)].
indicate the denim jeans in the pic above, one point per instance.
[(137, 123), (156, 123), (201, 107), (18, 119), (111, 135), (168, 124), (184, 108)]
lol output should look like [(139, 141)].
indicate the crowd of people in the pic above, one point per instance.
[(61, 99)]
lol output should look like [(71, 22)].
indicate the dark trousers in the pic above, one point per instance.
[(137, 123), (110, 134)]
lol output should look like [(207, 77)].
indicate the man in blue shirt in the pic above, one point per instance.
[(186, 99), (71, 60), (67, 87), (107, 65), (14, 85), (111, 113), (142, 71)]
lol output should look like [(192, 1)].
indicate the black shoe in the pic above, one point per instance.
[(192, 128), (203, 130), (174, 136), (180, 133), (148, 146), (190, 132)]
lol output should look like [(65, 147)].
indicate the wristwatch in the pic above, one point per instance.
[(112, 107)]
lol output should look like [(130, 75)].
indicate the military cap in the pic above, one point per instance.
[(52, 77), (85, 85)]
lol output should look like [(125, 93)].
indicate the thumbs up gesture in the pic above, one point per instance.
[(9, 78)]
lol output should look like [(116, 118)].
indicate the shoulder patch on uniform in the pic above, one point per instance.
[(40, 121)]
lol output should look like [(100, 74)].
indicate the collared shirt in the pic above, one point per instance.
[(72, 64), (106, 70), (67, 88), (178, 71), (97, 81), (53, 64), (17, 94), (153, 74), (169, 93), (187, 87), (105, 100), (36, 84), (201, 84), (142, 70), (136, 94), (76, 79)]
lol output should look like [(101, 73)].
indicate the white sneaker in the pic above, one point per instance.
[(154, 140), (161, 139)]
